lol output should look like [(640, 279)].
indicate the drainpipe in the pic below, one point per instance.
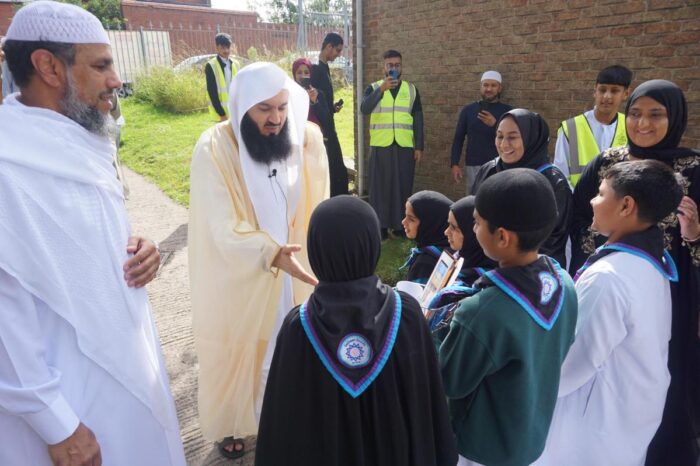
[(359, 91)]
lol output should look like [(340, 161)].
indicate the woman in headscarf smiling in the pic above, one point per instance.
[(521, 140), (656, 118), (354, 379), (425, 223)]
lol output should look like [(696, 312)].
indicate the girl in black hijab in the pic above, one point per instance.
[(354, 379), (522, 138), (460, 232), (656, 117), (425, 222)]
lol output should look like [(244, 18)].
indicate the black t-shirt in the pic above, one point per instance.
[(481, 138)]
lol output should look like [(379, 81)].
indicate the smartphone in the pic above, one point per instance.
[(305, 83), (484, 105), (394, 74)]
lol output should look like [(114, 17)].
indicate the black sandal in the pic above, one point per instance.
[(233, 454)]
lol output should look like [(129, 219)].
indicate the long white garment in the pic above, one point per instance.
[(39, 357), (603, 135), (615, 377), (64, 226)]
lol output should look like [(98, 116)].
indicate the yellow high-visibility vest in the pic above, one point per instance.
[(582, 145), (220, 85), (391, 119)]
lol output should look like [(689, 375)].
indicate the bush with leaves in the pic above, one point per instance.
[(177, 92)]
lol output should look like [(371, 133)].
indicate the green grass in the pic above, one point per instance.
[(345, 122), (158, 145)]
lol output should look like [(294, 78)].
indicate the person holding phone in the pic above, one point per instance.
[(318, 106), (395, 140), (477, 123), (331, 48)]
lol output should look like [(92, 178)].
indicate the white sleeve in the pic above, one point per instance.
[(603, 307), (29, 387), (561, 153)]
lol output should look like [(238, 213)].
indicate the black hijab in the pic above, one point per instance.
[(431, 208), (670, 96), (344, 244), (535, 133), (471, 251)]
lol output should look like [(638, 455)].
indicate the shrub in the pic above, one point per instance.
[(177, 92)]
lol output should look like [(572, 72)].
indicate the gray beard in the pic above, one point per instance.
[(87, 116)]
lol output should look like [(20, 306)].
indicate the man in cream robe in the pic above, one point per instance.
[(81, 374), (247, 219)]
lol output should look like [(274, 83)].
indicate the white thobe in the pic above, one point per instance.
[(47, 386), (603, 135), (615, 377)]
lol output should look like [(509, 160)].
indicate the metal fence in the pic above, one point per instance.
[(168, 44)]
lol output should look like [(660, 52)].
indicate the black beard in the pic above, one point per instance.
[(265, 149)]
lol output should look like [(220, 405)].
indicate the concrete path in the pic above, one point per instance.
[(156, 216)]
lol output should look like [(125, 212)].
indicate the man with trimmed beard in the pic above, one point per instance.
[(477, 123), (81, 372), (254, 182)]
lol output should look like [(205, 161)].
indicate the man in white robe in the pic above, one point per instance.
[(254, 182), (82, 380)]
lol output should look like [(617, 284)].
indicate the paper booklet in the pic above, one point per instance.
[(444, 274)]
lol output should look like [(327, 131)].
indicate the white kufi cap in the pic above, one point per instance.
[(495, 75), (56, 22)]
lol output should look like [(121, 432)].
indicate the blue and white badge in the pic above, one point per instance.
[(354, 351), (549, 287)]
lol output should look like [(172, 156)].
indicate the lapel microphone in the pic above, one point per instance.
[(272, 173)]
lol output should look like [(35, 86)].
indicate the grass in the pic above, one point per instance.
[(158, 145)]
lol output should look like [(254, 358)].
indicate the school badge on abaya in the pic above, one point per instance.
[(354, 351), (549, 287)]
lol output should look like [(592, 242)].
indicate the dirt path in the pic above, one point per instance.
[(156, 216)]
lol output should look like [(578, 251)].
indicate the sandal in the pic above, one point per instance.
[(236, 452)]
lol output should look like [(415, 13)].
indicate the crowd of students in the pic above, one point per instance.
[(537, 366)]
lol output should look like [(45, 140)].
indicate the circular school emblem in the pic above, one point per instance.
[(549, 287), (354, 351)]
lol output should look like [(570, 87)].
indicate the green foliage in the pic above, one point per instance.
[(283, 11), (394, 254), (177, 92), (252, 54)]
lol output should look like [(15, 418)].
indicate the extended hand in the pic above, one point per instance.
[(142, 268), (285, 260), (688, 218), (80, 449), (388, 83), (457, 173), (486, 118)]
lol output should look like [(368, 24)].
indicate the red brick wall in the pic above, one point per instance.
[(7, 10), (192, 29), (181, 2), (549, 53)]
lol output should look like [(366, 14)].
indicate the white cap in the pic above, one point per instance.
[(56, 22), (495, 75)]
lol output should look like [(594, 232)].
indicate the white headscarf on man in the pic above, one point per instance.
[(254, 84)]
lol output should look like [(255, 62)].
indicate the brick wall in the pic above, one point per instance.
[(192, 28), (7, 11), (181, 2), (549, 53)]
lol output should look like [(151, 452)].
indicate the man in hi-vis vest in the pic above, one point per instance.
[(584, 136), (396, 142), (219, 71)]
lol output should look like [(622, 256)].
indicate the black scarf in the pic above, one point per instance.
[(471, 252), (538, 288), (647, 244), (670, 96), (432, 209), (351, 319), (535, 134)]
